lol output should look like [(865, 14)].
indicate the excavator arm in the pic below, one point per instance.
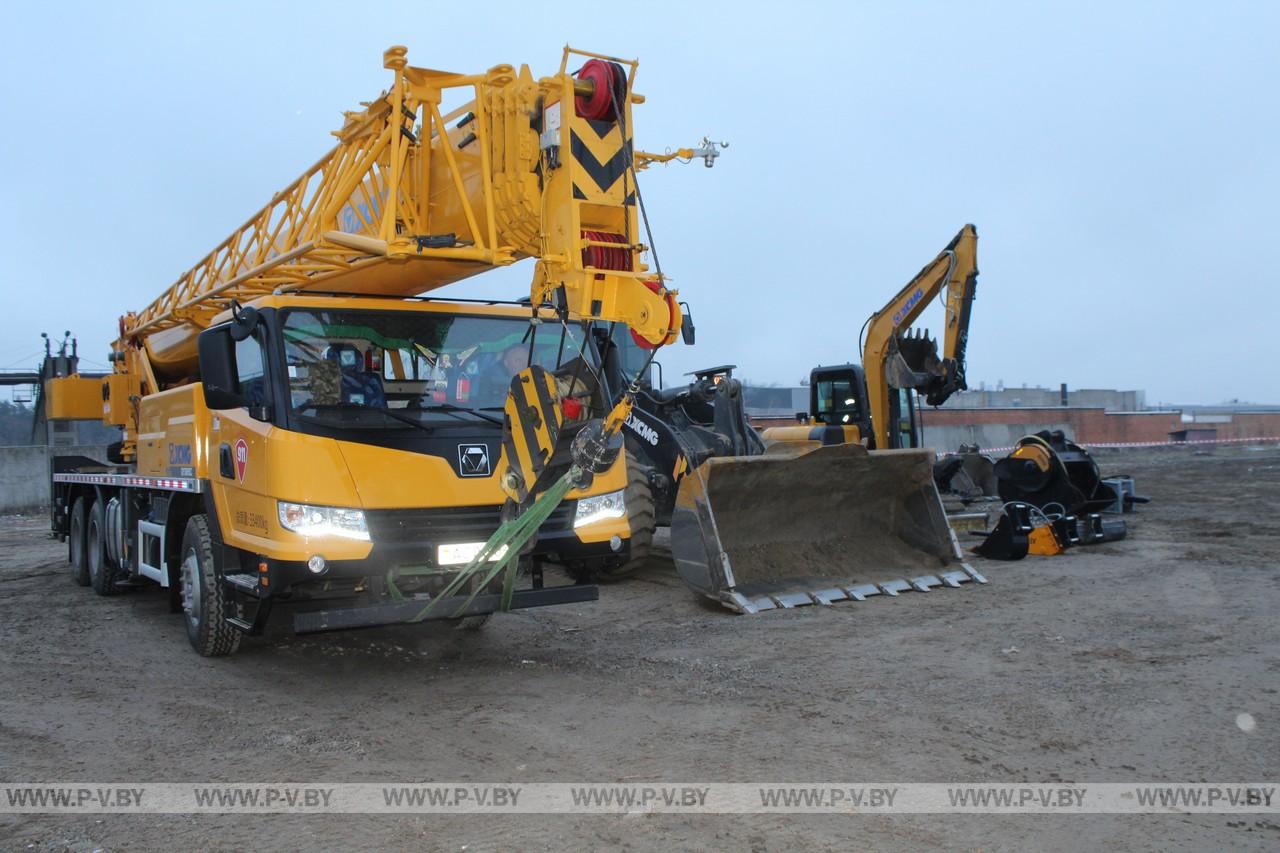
[(894, 359)]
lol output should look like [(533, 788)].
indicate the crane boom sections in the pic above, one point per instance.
[(410, 200)]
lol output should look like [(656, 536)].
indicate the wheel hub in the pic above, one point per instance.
[(191, 587)]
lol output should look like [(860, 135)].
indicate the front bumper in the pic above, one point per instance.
[(411, 537), (392, 613)]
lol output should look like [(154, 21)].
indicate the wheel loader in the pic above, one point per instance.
[(843, 507)]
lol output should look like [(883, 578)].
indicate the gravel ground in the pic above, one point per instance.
[(1125, 661)]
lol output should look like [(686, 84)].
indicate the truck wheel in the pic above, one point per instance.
[(204, 599), (102, 575), (75, 545), (643, 520)]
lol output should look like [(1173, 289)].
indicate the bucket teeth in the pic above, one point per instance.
[(790, 599), (863, 591), (829, 596), (892, 588)]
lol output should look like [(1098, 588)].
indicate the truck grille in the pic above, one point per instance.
[(395, 528)]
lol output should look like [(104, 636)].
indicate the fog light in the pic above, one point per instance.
[(615, 542), (316, 564)]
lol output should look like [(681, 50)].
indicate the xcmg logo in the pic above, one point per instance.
[(911, 303), (642, 429), (179, 454)]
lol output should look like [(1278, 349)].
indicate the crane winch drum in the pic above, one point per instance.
[(814, 525)]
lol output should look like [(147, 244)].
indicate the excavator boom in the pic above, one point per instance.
[(892, 359)]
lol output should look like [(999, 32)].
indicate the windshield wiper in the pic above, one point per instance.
[(450, 407), (391, 413)]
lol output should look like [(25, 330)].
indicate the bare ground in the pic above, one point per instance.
[(1125, 661)]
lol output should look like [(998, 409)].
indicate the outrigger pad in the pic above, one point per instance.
[(836, 523)]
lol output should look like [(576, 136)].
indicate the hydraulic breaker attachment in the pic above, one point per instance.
[(1046, 541), (800, 526), (1093, 528)]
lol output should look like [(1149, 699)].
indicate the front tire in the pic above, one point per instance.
[(204, 598), (642, 518), (75, 544), (102, 575)]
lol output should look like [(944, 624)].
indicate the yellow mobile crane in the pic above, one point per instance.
[(302, 426)]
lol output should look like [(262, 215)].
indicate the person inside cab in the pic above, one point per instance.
[(494, 379)]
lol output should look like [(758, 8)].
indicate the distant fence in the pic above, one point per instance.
[(24, 474)]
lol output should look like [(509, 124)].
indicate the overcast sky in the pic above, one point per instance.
[(1121, 162)]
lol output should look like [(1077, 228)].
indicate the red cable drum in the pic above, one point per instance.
[(610, 85)]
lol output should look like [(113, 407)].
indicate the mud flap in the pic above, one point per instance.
[(829, 524)]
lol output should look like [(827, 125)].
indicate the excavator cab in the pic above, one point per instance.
[(838, 398)]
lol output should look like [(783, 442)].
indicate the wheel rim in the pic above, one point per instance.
[(95, 554), (191, 587), (77, 539)]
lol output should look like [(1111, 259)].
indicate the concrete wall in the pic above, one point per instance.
[(949, 437), (1100, 398), (24, 474), (946, 428)]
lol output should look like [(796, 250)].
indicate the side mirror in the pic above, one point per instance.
[(687, 331), (218, 399), (216, 351)]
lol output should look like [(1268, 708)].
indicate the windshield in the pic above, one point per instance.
[(401, 369), (837, 402)]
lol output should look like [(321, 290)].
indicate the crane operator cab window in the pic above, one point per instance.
[(837, 402)]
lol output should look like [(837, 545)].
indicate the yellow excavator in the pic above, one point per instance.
[(842, 507), (874, 403)]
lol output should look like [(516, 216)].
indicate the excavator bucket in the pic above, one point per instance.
[(814, 526)]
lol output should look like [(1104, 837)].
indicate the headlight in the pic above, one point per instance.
[(599, 508), (323, 520)]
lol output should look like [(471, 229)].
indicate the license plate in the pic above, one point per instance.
[(461, 553)]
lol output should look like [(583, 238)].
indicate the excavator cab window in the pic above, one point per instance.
[(904, 430), (837, 402)]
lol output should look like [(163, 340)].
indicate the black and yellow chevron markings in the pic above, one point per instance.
[(532, 428), (597, 149)]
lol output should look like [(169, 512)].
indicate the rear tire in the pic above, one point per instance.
[(102, 575), (75, 544), (204, 598), (643, 521)]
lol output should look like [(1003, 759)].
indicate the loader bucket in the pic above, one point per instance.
[(814, 526)]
